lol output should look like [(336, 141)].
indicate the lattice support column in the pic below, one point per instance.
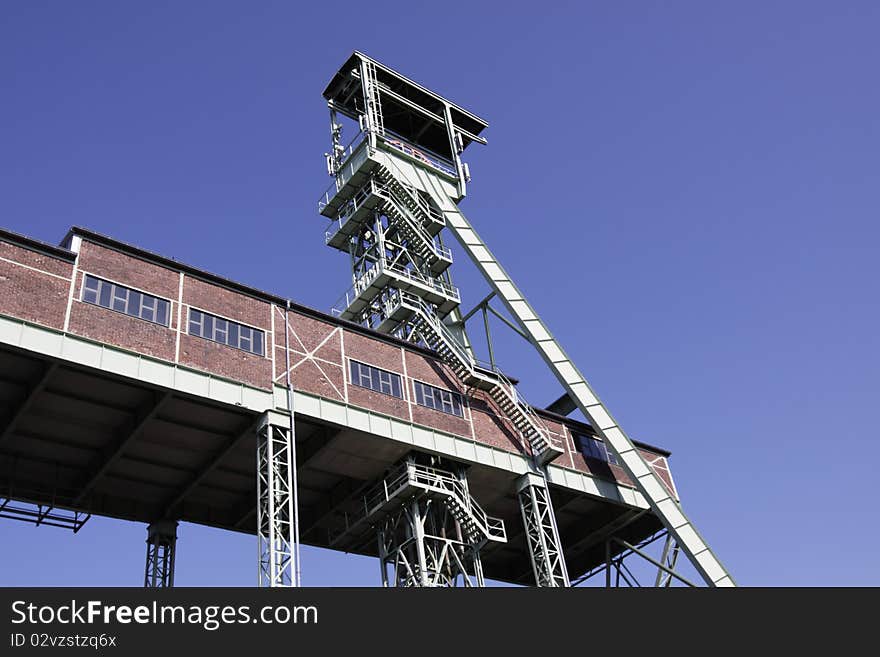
[(422, 545), (276, 510), (161, 546), (542, 534)]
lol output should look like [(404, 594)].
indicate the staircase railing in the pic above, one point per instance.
[(425, 478), (495, 377)]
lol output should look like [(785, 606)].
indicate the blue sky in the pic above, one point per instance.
[(687, 192)]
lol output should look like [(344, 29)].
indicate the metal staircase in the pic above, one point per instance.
[(412, 480), (438, 336)]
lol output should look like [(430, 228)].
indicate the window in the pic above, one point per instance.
[(225, 331), (367, 376), (125, 300), (445, 401), (593, 448)]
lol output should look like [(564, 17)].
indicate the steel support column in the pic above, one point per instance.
[(421, 546), (276, 509), (542, 534), (426, 542), (161, 548)]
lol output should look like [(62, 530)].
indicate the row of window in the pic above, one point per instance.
[(204, 325), (154, 309), (389, 383)]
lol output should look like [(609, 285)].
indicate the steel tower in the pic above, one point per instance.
[(396, 186)]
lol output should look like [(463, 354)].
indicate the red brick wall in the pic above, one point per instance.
[(127, 270), (223, 360), (315, 355), (491, 427), (116, 328), (384, 356), (35, 259), (105, 325), (215, 358), (226, 303), (37, 295)]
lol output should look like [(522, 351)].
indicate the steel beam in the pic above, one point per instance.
[(209, 467), (123, 436), (29, 398)]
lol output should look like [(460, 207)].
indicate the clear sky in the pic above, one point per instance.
[(688, 193)]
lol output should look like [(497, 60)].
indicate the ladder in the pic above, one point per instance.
[(374, 105)]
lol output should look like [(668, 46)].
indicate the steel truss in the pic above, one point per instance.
[(542, 534), (619, 553), (276, 507), (42, 514), (161, 549), (422, 544)]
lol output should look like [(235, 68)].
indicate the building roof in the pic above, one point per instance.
[(409, 109)]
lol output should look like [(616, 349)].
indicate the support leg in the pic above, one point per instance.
[(161, 546), (276, 512), (542, 534)]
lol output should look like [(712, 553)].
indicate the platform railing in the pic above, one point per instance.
[(386, 192), (429, 479), (350, 158), (382, 265), (420, 153), (348, 162)]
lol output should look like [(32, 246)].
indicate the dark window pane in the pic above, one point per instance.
[(134, 303), (220, 330), (233, 334), (90, 296), (104, 296), (120, 295), (162, 312), (258, 343)]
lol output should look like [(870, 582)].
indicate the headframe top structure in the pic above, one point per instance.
[(410, 110)]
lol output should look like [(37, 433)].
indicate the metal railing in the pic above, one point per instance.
[(421, 154), (445, 482), (426, 478), (349, 161), (385, 192), (427, 313), (382, 265), (431, 213)]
